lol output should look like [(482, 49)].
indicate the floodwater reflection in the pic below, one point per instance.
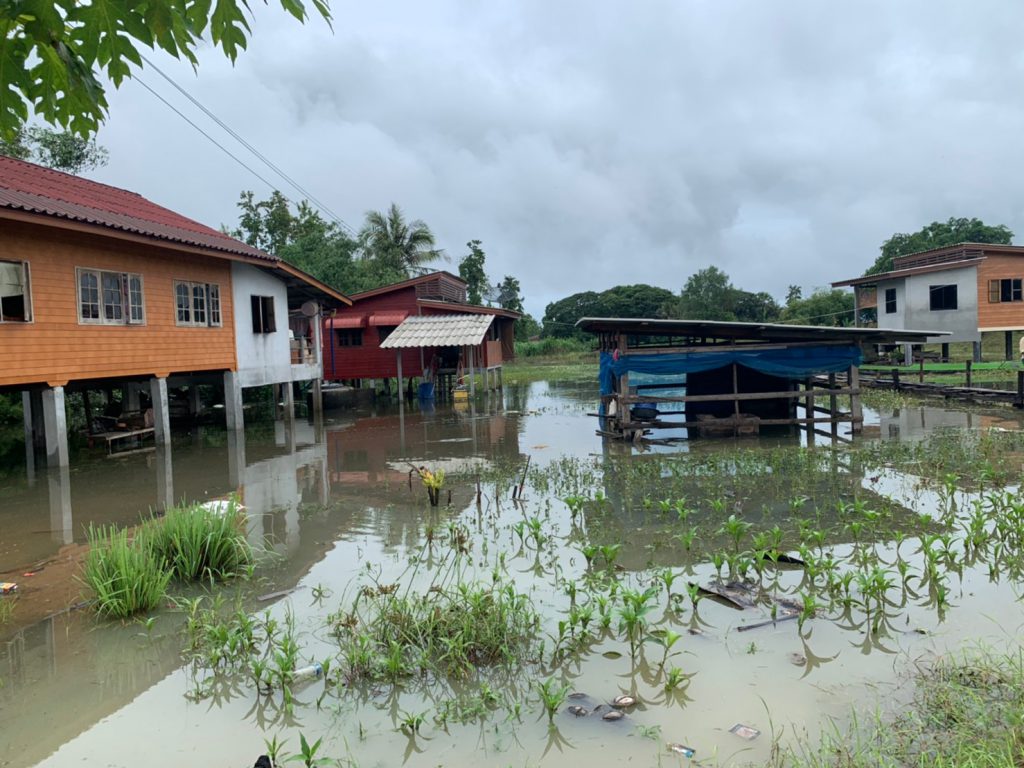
[(331, 498)]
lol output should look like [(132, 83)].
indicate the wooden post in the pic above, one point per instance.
[(920, 372), (1020, 389), (967, 369), (736, 400), (472, 372), (856, 412), (832, 405), (809, 410), (88, 412), (1008, 341), (945, 352), (896, 379)]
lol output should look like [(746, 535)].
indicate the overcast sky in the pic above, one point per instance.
[(589, 144)]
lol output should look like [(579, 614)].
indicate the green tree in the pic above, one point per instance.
[(471, 269), (304, 238), (509, 294), (708, 295), (823, 307), (937, 235), (758, 307), (54, 55), (621, 301), (794, 293), (60, 150), (400, 246)]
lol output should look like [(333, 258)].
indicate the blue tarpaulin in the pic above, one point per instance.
[(789, 362)]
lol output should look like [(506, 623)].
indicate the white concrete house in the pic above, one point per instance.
[(963, 290)]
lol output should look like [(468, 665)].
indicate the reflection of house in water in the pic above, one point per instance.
[(78, 672), (379, 449), (914, 423)]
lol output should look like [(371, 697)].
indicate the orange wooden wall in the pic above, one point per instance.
[(55, 348), (1009, 314)]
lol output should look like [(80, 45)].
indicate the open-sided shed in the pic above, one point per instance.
[(731, 378)]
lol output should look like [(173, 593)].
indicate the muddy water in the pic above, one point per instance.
[(331, 503)]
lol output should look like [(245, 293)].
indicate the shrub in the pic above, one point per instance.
[(552, 347), (125, 577)]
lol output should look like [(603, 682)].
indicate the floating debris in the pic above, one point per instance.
[(578, 711), (612, 715), (681, 749), (781, 558), (745, 731), (798, 659), (578, 695), (6, 587), (734, 593), (274, 595), (624, 701)]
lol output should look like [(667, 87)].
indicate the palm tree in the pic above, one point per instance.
[(407, 246)]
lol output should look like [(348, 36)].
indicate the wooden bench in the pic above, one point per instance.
[(114, 439)]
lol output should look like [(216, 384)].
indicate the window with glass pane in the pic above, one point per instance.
[(113, 299), (15, 302), (214, 305), (183, 301), (136, 314), (89, 293), (199, 303)]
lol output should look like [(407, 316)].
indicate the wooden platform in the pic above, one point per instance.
[(114, 440)]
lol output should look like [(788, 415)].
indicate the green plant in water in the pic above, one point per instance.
[(307, 753), (735, 528), (610, 552), (433, 482), (126, 578), (199, 543), (412, 722), (552, 696), (674, 679), (275, 749)]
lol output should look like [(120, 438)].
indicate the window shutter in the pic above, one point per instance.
[(269, 326), (257, 314), (993, 291)]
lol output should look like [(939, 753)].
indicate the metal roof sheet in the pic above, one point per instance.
[(33, 189), (439, 331)]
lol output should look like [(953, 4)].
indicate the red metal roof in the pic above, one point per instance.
[(346, 321), (388, 318), (33, 189)]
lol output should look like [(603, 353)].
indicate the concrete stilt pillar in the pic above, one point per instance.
[(164, 477), (59, 486), (236, 458), (233, 401), (288, 398), (908, 354), (977, 351), (130, 394), (30, 437), (55, 426), (161, 411)]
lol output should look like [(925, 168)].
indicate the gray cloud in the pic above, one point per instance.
[(590, 144)]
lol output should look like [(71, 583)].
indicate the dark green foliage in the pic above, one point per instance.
[(60, 150), (10, 409), (823, 307), (936, 235), (397, 245), (56, 57), (471, 269), (708, 295), (126, 577), (509, 296), (621, 301)]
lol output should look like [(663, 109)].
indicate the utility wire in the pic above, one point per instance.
[(184, 117), (259, 155)]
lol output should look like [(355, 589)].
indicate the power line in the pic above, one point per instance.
[(184, 117), (259, 155)]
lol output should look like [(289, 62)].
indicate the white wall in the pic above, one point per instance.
[(263, 358), (913, 305)]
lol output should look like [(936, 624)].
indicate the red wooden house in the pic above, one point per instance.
[(353, 336)]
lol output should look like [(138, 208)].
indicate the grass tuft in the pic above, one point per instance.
[(125, 577), (200, 544)]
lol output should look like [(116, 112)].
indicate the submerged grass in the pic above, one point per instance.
[(198, 543), (126, 577), (130, 574), (967, 711)]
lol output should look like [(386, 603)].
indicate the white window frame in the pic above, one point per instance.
[(124, 286), (209, 293), (26, 277)]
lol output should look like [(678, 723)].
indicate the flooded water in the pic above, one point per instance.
[(338, 512)]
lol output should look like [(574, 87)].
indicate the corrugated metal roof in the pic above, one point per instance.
[(439, 331), (34, 189)]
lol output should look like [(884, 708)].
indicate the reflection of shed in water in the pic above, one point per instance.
[(731, 378)]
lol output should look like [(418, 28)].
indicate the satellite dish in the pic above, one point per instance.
[(310, 308)]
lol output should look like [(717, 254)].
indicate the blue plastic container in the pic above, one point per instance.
[(426, 390)]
